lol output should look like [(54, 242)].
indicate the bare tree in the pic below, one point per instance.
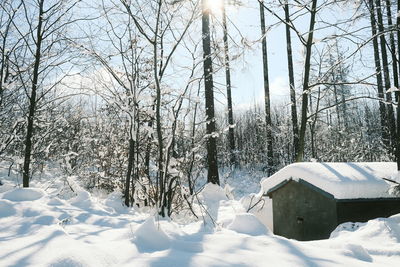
[(163, 41), (293, 106), (306, 88), (11, 123), (386, 75), (379, 81), (45, 49), (212, 176), (398, 94), (231, 136), (267, 100)]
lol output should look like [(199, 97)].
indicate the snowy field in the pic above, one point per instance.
[(38, 227)]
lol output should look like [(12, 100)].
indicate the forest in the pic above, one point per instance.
[(136, 96)]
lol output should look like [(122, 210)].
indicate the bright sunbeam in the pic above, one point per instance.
[(214, 6)]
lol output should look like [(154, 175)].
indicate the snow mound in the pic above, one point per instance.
[(358, 252), (6, 208), (213, 193), (23, 194), (246, 223), (373, 231), (342, 180), (382, 227), (149, 237)]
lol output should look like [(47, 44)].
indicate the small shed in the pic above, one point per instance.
[(310, 199)]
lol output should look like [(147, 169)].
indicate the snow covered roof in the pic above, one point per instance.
[(342, 180)]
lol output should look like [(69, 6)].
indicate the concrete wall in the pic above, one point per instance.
[(302, 213)]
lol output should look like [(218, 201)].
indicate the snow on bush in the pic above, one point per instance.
[(213, 193), (261, 207), (150, 237), (83, 199), (114, 201), (210, 197)]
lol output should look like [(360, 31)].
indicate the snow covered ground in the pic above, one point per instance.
[(39, 228)]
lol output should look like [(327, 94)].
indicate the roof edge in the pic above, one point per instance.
[(301, 181)]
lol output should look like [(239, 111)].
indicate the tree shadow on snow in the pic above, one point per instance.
[(305, 259)]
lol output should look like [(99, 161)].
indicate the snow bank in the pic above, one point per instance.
[(370, 241), (246, 223), (342, 180), (380, 228), (23, 194)]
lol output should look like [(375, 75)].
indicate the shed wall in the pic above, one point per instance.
[(302, 213), (362, 210)]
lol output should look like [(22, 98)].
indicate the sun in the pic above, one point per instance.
[(214, 6)]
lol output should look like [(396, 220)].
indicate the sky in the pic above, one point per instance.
[(247, 75), (247, 71)]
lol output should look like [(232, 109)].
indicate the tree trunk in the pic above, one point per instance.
[(382, 107), (343, 106), (397, 94), (395, 74), (335, 94), (268, 121), (148, 145), (131, 159), (291, 82), (307, 67), (161, 176), (392, 46), (32, 99), (231, 134), (386, 75), (212, 176)]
